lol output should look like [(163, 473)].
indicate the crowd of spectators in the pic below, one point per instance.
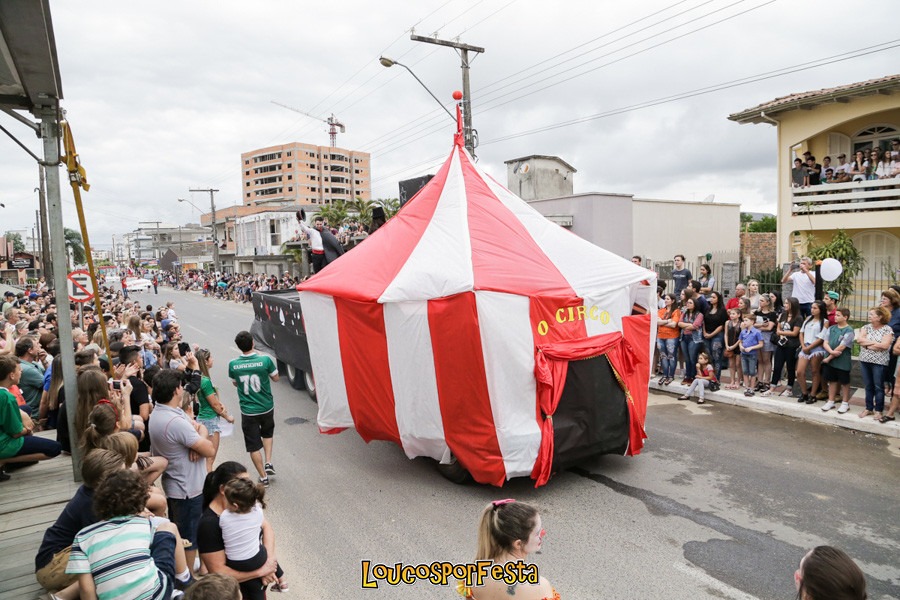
[(866, 164), (773, 345), (146, 458)]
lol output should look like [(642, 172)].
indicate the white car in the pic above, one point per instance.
[(138, 284)]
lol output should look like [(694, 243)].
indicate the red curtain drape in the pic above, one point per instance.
[(550, 367)]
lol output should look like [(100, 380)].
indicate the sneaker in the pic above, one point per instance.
[(828, 406), (823, 395), (803, 398), (269, 468), (748, 392), (264, 481), (4, 476), (844, 407)]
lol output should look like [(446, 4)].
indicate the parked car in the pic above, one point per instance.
[(138, 284)]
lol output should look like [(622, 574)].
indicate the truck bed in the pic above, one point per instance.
[(278, 329)]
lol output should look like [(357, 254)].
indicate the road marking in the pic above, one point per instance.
[(712, 582)]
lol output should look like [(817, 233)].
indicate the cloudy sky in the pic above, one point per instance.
[(164, 97)]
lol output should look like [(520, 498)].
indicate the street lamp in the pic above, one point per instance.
[(215, 239), (388, 63)]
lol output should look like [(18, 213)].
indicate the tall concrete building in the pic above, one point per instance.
[(304, 174)]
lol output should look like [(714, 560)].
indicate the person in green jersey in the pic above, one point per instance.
[(838, 344), (211, 408), (251, 373)]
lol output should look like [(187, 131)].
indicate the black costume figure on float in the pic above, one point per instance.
[(324, 246)]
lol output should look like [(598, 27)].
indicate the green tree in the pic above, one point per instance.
[(764, 225), (16, 239), (841, 248), (363, 209), (390, 206), (74, 243), (746, 219), (336, 213)]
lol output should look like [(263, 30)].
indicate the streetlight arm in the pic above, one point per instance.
[(387, 62), (192, 204)]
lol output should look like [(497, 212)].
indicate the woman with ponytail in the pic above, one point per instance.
[(508, 532)]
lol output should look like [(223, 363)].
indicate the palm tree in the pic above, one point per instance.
[(363, 209), (335, 213), (75, 245), (390, 206)]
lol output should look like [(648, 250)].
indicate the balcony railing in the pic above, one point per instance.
[(879, 194)]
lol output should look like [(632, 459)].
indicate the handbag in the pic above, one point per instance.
[(714, 386)]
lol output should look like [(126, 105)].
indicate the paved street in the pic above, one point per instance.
[(723, 502)]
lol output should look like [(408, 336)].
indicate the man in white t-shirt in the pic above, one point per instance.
[(804, 280)]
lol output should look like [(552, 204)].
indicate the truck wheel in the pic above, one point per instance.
[(295, 377), (310, 382), (282, 368), (453, 471)]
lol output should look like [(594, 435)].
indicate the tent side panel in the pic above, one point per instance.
[(367, 371), (417, 409), (441, 263), (586, 267), (370, 268), (320, 321), (462, 387), (636, 330), (501, 246), (508, 344)]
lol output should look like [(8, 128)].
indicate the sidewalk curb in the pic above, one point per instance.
[(807, 412)]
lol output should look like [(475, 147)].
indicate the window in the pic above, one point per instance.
[(248, 184), (246, 162), (289, 165), (289, 154), (274, 233), (290, 177), (246, 172), (290, 189), (267, 157), (248, 194), (875, 135)]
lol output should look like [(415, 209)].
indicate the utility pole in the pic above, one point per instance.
[(46, 263), (49, 129), (464, 49), (212, 208)]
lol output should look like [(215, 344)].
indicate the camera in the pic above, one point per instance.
[(115, 385)]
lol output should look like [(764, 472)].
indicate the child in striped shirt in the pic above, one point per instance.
[(126, 555)]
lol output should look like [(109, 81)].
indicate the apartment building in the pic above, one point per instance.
[(299, 173)]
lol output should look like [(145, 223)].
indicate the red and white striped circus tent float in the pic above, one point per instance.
[(470, 327)]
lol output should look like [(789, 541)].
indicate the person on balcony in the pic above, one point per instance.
[(813, 170), (860, 167), (842, 170), (799, 178)]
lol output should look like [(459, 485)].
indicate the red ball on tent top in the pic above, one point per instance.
[(457, 95)]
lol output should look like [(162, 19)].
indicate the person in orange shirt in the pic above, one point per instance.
[(667, 334)]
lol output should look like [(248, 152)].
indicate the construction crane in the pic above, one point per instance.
[(333, 123)]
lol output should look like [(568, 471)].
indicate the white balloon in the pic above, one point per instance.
[(831, 269)]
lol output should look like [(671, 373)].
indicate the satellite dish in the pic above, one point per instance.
[(710, 199)]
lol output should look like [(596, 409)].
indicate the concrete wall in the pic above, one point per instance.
[(663, 228), (602, 219), (546, 178)]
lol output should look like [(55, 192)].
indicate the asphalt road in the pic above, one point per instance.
[(722, 503)]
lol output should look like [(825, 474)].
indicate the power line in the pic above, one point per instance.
[(489, 106), (432, 116), (805, 66), (707, 90)]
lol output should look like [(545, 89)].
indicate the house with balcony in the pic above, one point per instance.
[(831, 122)]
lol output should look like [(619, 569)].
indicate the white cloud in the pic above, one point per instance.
[(165, 97)]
